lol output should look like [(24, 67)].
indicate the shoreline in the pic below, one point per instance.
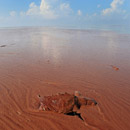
[(106, 29)]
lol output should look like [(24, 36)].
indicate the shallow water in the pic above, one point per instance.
[(46, 61)]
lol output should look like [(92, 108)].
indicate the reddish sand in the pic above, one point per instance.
[(46, 61)]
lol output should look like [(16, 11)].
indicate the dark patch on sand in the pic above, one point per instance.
[(114, 67), (3, 45)]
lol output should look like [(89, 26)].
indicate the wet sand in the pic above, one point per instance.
[(46, 61)]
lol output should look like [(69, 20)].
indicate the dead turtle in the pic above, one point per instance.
[(64, 103)]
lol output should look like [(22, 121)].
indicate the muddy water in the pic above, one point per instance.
[(46, 61)]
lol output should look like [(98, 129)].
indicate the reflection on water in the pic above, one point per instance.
[(50, 50), (112, 43), (59, 45), (62, 45)]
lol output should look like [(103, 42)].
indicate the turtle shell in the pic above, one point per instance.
[(61, 103)]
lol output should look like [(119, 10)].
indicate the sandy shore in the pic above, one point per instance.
[(47, 61)]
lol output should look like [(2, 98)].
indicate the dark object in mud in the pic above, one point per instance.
[(3, 46), (64, 103), (114, 67)]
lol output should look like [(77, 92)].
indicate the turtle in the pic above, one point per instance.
[(64, 102)]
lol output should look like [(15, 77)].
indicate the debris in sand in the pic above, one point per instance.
[(64, 103), (19, 113), (114, 67), (3, 45)]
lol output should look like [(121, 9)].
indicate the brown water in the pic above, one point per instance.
[(46, 61)]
